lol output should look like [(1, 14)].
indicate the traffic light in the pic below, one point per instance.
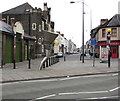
[(108, 35)]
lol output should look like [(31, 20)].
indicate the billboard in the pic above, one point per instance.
[(104, 54)]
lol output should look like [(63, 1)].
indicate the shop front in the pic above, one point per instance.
[(114, 47)]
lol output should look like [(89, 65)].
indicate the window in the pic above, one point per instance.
[(114, 32), (103, 32)]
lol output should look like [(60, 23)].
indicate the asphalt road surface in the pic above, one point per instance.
[(89, 87)]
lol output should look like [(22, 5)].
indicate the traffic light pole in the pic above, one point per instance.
[(109, 52)]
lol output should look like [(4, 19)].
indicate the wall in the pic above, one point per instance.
[(100, 38)]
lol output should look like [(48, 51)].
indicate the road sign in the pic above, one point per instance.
[(93, 42)]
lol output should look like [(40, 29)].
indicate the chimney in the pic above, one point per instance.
[(45, 7), (103, 21)]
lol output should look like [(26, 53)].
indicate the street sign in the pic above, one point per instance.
[(93, 42)]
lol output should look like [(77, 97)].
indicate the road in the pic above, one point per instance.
[(80, 87), (87, 87)]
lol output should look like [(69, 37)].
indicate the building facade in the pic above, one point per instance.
[(33, 32), (100, 34)]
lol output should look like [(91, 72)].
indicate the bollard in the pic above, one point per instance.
[(109, 60), (51, 60), (29, 64), (64, 58), (55, 60), (14, 65), (44, 65), (47, 62)]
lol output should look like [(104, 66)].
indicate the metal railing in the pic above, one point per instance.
[(48, 61)]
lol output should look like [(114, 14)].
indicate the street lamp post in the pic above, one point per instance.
[(82, 29)]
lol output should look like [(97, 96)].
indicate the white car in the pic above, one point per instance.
[(59, 54)]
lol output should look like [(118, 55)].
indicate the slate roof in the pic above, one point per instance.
[(5, 27), (19, 9), (113, 22)]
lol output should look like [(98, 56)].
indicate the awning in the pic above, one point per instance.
[(29, 37), (49, 37), (5, 27)]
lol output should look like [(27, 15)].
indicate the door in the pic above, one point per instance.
[(114, 51), (18, 51), (9, 50)]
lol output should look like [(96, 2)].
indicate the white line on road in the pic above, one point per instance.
[(114, 89), (109, 97), (72, 93), (44, 97), (76, 93), (116, 74)]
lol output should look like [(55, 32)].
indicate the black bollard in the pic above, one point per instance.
[(29, 64), (51, 60), (64, 58), (14, 65), (47, 62), (43, 64)]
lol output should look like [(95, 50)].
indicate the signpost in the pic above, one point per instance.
[(93, 43)]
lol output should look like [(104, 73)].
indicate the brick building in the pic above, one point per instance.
[(100, 34), (33, 32)]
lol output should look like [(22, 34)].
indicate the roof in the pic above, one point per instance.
[(113, 22), (19, 9), (49, 37), (5, 27)]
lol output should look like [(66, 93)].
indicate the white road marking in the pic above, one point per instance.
[(114, 89), (76, 93), (116, 74), (8, 83), (44, 97), (72, 93), (101, 97)]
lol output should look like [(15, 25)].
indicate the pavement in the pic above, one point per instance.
[(71, 67)]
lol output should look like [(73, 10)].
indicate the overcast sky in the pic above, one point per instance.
[(68, 17)]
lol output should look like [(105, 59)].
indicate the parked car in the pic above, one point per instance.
[(59, 54)]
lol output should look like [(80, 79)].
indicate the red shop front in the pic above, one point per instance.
[(114, 47)]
